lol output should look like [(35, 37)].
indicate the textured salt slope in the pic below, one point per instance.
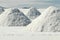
[(1, 9), (52, 20), (33, 13), (49, 21), (13, 17)]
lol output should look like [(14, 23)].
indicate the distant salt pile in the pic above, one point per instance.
[(16, 18), (1, 9), (33, 13), (49, 21)]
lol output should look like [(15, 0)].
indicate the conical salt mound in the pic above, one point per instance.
[(1, 9), (52, 20), (33, 13), (16, 18), (49, 21)]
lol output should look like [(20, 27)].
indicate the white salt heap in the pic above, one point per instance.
[(49, 21), (33, 13), (13, 17)]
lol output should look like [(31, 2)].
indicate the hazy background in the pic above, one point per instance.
[(29, 3)]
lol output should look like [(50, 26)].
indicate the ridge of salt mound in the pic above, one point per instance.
[(33, 13), (16, 18), (49, 21)]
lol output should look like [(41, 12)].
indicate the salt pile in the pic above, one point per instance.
[(14, 17), (49, 21), (33, 13), (52, 20)]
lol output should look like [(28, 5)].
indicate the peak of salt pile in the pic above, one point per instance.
[(1, 9), (33, 13), (49, 21), (15, 17)]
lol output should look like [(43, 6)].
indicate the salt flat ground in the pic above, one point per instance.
[(14, 33)]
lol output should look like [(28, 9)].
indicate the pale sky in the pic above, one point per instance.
[(34, 3)]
